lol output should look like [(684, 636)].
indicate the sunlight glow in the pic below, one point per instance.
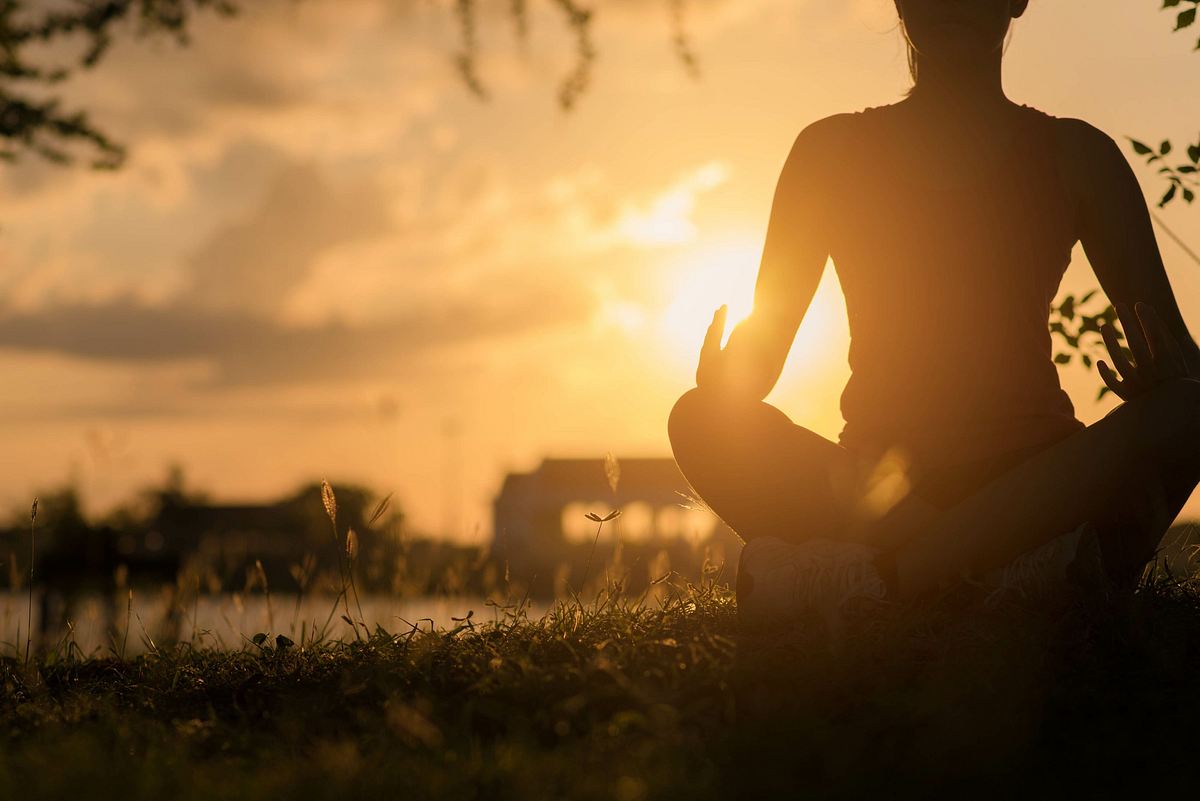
[(668, 219), (703, 280)]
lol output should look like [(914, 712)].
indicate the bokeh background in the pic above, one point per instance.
[(326, 257)]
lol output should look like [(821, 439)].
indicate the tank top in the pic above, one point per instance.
[(948, 276)]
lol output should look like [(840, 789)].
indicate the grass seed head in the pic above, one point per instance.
[(329, 500), (612, 471), (380, 508)]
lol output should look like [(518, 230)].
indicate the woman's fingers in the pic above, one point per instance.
[(1168, 357), (1110, 379), (1117, 353), (1142, 357), (710, 351), (716, 330)]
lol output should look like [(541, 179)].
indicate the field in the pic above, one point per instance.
[(612, 699)]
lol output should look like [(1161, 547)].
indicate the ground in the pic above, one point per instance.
[(613, 699)]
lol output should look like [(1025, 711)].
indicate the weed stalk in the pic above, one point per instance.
[(32, 556)]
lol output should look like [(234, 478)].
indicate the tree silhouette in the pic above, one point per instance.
[(32, 118), (30, 122)]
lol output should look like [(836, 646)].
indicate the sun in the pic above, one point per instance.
[(706, 276), (702, 280)]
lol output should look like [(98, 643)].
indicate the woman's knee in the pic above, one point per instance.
[(690, 415), (1189, 389), (704, 423), (1169, 412), (1178, 408)]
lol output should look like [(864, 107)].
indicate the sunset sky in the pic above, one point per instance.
[(325, 258)]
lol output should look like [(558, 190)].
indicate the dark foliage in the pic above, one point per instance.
[(31, 121)]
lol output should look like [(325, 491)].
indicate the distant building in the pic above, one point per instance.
[(540, 512)]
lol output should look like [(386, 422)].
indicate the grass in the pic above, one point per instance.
[(618, 700)]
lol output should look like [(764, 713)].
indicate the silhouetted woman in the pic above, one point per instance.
[(950, 217)]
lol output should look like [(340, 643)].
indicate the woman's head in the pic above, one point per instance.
[(958, 32)]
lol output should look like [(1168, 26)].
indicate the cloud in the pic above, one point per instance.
[(668, 220), (309, 198), (254, 263), (246, 348), (321, 280)]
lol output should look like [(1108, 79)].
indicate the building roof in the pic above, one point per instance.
[(637, 476)]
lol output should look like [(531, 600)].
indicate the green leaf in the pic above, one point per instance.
[(1170, 3), (1067, 309), (283, 643), (1189, 195), (1165, 147), (1193, 152), (1087, 361), (1087, 297), (1104, 390), (1186, 169), (1140, 148), (1185, 19), (260, 638), (1062, 358), (1169, 196)]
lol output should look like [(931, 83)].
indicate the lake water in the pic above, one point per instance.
[(228, 621)]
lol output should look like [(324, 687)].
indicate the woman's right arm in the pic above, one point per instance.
[(794, 255)]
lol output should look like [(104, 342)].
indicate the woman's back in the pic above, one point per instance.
[(949, 268)]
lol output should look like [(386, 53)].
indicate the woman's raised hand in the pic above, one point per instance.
[(710, 370), (1157, 356)]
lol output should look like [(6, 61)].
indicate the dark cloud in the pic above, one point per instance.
[(227, 314), (249, 348)]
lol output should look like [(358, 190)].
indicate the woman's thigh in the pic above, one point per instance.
[(1129, 474), (760, 472)]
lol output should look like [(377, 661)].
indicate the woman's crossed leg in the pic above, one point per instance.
[(1128, 475)]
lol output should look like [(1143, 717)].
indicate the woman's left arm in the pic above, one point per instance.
[(1116, 230)]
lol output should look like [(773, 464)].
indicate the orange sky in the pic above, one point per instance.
[(324, 258)]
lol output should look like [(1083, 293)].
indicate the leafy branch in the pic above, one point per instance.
[(1180, 178), (33, 120), (1185, 18), (1079, 331), (31, 123)]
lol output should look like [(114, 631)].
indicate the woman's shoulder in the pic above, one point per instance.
[(1075, 133), (1082, 147), (1090, 161), (837, 129), (863, 116)]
